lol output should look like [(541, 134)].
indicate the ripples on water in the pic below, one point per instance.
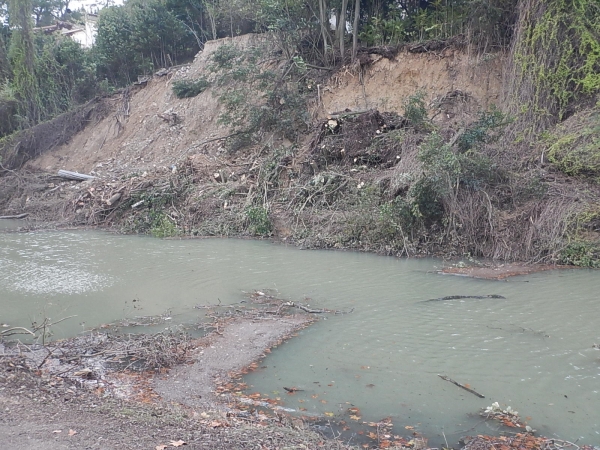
[(531, 351)]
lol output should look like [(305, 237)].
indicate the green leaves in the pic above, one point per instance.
[(136, 38)]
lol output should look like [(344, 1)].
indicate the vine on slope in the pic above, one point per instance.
[(556, 59)]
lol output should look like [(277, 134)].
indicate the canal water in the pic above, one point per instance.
[(531, 351)]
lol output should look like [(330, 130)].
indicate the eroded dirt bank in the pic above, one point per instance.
[(350, 180)]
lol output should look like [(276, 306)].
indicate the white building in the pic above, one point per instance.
[(84, 34)]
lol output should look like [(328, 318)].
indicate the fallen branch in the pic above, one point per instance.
[(17, 216), (305, 308), (10, 331), (458, 297), (444, 377), (74, 175)]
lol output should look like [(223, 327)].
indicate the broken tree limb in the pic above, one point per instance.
[(292, 389), (444, 377), (16, 330), (18, 216), (458, 297), (305, 308), (114, 199), (74, 175)]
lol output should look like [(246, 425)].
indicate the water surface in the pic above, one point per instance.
[(531, 351)]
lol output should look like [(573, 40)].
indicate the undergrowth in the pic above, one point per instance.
[(556, 60), (257, 95), (189, 88)]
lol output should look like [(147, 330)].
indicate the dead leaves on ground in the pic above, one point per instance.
[(178, 443), (520, 441)]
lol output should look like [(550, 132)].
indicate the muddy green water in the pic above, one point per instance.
[(532, 351)]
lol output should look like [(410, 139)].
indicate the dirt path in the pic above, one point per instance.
[(239, 344)]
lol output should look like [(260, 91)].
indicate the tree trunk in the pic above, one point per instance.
[(324, 19), (355, 29), (342, 27)]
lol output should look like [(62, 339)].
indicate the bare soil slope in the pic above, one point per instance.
[(150, 128), (385, 83)]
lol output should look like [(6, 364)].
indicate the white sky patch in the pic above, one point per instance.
[(92, 6)]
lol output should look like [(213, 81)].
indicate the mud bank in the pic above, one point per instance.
[(236, 346), (500, 271), (43, 410)]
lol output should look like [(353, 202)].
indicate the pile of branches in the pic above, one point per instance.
[(521, 441), (141, 352), (91, 356), (348, 137)]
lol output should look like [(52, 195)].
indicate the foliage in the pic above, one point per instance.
[(257, 97), (556, 59), (259, 223), (448, 169), (484, 130), (380, 31), (163, 226), (46, 12), (22, 61), (188, 88), (574, 147), (582, 254), (5, 69), (487, 23), (66, 73), (137, 37), (8, 110), (415, 109), (47, 74)]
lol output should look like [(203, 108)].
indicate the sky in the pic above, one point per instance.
[(91, 5)]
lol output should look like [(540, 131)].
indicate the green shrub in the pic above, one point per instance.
[(484, 130), (394, 220), (575, 148), (256, 97), (189, 88), (163, 226), (415, 110), (259, 223), (582, 254)]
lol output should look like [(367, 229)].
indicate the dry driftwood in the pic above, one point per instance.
[(17, 216), (74, 175)]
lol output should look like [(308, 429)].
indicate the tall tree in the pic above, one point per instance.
[(22, 58), (342, 26), (355, 29)]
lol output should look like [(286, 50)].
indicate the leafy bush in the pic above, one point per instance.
[(256, 97), (163, 226), (381, 31), (224, 57), (415, 110), (582, 254), (189, 88), (484, 130), (575, 146), (259, 223), (135, 38)]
